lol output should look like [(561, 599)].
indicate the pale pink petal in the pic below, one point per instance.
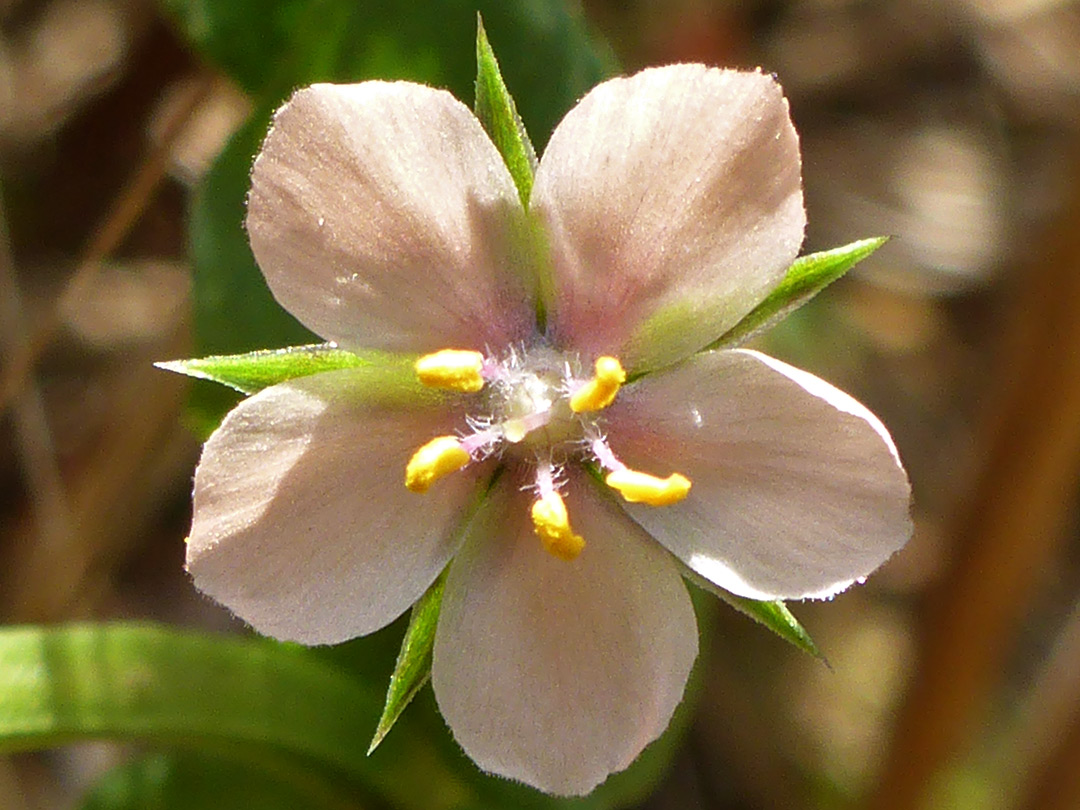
[(383, 217), (674, 203), (797, 488), (559, 673), (303, 526)]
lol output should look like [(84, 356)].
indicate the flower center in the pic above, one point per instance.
[(530, 404), (539, 408)]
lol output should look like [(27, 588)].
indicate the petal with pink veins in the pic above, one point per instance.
[(674, 203), (383, 217), (302, 524), (559, 673), (797, 488)]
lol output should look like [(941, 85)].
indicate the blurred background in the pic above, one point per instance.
[(126, 131)]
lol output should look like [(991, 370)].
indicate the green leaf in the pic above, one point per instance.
[(806, 277), (234, 310), (273, 46), (499, 116), (381, 376), (413, 667), (773, 614), (497, 112), (278, 704), (236, 40), (253, 371), (189, 780)]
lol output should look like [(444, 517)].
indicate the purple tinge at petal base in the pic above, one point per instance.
[(674, 203)]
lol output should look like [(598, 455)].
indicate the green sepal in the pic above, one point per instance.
[(413, 668), (806, 277), (498, 114), (772, 614), (251, 372), (777, 617)]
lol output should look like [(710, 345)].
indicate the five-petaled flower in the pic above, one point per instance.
[(562, 441)]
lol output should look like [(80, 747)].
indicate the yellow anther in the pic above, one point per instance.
[(552, 526), (600, 391), (456, 369), (639, 487), (441, 456)]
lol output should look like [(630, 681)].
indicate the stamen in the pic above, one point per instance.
[(441, 456), (482, 442), (603, 453), (456, 369), (639, 487), (552, 526), (600, 391)]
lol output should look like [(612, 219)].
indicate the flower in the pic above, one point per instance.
[(667, 205)]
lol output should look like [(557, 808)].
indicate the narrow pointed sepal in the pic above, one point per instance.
[(251, 372), (498, 114), (807, 276), (773, 614), (389, 377), (413, 668)]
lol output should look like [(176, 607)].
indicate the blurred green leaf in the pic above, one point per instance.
[(190, 780), (276, 712), (413, 667), (775, 615), (234, 310), (272, 46), (237, 36), (499, 116), (276, 703), (806, 277), (253, 371)]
